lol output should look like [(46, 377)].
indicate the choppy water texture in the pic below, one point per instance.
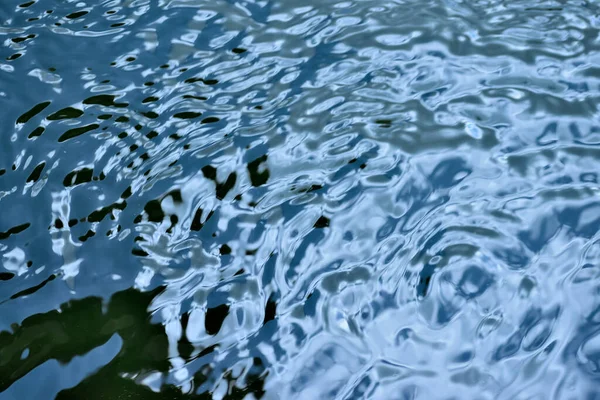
[(300, 200)]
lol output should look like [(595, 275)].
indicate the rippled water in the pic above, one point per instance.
[(300, 200)]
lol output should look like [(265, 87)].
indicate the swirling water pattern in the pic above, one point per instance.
[(300, 200)]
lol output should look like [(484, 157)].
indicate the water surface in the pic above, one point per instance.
[(362, 199)]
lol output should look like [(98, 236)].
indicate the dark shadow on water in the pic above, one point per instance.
[(81, 326)]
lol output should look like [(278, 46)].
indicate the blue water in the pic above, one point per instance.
[(362, 199)]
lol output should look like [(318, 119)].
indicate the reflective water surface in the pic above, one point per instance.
[(364, 199)]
